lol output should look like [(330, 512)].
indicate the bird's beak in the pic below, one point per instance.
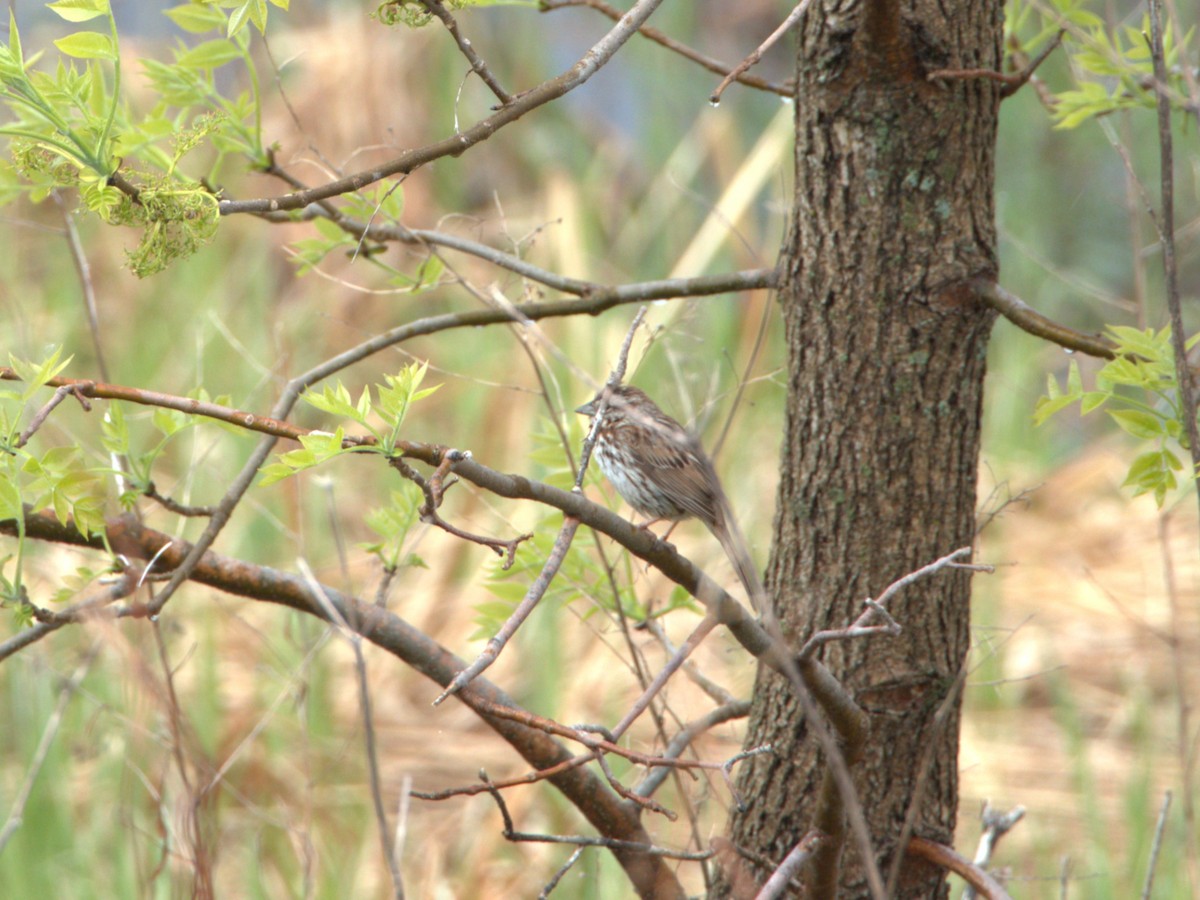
[(588, 409)]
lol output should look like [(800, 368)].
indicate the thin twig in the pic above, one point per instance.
[(1028, 319), (1187, 393), (737, 709), (762, 48), (518, 836), (39, 418), (354, 639), (1012, 82), (861, 626), (180, 509), (432, 489), (16, 812), (1155, 847), (478, 66), (497, 642), (562, 871), (591, 62), (665, 40), (948, 859), (924, 769), (995, 825), (797, 857)]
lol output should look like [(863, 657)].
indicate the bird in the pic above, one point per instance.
[(660, 469)]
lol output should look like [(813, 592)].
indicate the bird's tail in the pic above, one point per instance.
[(734, 544)]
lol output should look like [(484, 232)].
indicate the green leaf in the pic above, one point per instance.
[(1146, 343), (13, 49), (170, 421), (210, 55), (1139, 423), (1074, 380), (249, 11), (1093, 400), (1154, 473), (197, 18), (1047, 406), (10, 499), (79, 10), (335, 400), (316, 447), (114, 430), (34, 375), (87, 45)]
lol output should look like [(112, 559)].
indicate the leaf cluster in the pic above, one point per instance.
[(73, 129), (56, 478), (1139, 391), (1113, 66), (382, 418)]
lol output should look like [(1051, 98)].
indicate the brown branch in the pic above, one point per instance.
[(663, 39), (478, 66), (1012, 82), (606, 744), (432, 489), (1183, 377), (653, 290), (1030, 320), (455, 145), (949, 859), (537, 590), (180, 509), (861, 626), (39, 418), (747, 63), (595, 299), (736, 709), (517, 836), (610, 815)]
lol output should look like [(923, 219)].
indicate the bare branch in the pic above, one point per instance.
[(753, 58), (1028, 319), (518, 836), (478, 66), (354, 639), (663, 39), (948, 859), (995, 825), (1012, 82), (16, 812), (1159, 828), (39, 418), (536, 591), (797, 857), (875, 608), (590, 63), (1185, 385)]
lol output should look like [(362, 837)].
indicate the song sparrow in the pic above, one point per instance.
[(660, 469)]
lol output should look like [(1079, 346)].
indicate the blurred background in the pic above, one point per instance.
[(1085, 658)]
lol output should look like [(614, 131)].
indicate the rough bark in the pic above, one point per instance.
[(893, 215)]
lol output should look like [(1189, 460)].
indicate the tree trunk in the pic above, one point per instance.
[(893, 215)]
